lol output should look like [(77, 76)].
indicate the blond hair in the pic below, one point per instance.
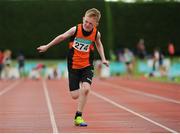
[(93, 12)]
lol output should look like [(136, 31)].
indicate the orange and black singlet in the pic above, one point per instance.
[(81, 48)]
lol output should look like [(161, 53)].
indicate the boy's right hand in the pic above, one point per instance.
[(106, 63), (42, 48)]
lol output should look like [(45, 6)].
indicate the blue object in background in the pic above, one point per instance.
[(174, 70), (117, 68), (144, 68)]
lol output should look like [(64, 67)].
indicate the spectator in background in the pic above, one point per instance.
[(37, 72), (141, 50), (7, 63), (21, 63), (40, 67), (120, 55), (171, 50), (156, 56), (34, 74), (129, 61), (159, 69), (7, 57), (157, 59), (1, 61), (52, 73)]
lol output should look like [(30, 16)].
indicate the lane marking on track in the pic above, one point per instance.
[(141, 93), (10, 87), (50, 109), (133, 112)]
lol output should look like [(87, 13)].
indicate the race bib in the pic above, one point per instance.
[(82, 44)]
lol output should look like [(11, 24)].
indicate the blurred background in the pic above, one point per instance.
[(140, 37)]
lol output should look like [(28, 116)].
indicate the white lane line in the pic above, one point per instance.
[(142, 93), (6, 89), (50, 109), (133, 112)]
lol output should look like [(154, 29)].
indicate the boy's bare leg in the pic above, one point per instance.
[(75, 94), (83, 94)]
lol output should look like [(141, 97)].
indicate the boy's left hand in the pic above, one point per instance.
[(106, 63)]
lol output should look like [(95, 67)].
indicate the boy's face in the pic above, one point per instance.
[(89, 23)]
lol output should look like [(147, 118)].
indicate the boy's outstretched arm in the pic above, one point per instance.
[(57, 40), (100, 49)]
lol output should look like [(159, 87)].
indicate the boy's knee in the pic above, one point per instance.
[(85, 90), (75, 97), (75, 94)]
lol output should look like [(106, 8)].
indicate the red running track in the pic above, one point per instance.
[(115, 105)]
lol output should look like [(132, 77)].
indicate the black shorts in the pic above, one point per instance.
[(79, 75)]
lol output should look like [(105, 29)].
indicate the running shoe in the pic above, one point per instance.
[(80, 122)]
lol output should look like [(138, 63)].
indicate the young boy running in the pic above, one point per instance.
[(83, 37)]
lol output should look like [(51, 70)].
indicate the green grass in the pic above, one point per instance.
[(165, 79)]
